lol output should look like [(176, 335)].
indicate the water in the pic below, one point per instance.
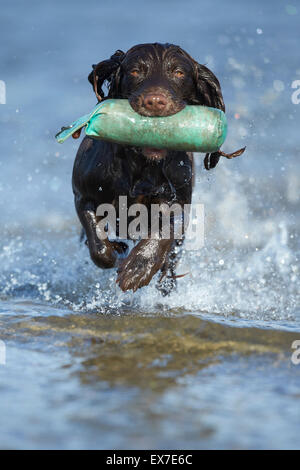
[(210, 367)]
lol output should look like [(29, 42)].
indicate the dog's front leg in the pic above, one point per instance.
[(103, 252), (166, 231)]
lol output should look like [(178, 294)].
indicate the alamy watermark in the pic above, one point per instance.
[(295, 358), (159, 221), (296, 93), (2, 92), (2, 353)]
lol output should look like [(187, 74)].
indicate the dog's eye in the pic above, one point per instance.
[(134, 73), (178, 73)]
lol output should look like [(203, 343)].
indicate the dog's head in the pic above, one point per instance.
[(158, 80)]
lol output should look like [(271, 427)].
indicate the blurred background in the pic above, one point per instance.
[(88, 366)]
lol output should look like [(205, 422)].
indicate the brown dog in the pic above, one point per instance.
[(158, 80)]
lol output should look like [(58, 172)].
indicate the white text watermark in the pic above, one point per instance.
[(296, 93), (2, 92), (162, 221), (2, 353), (295, 358)]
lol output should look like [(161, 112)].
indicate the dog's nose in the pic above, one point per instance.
[(155, 102)]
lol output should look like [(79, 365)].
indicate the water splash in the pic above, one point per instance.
[(247, 269)]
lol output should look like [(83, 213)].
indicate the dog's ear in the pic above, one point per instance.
[(208, 88), (105, 70), (208, 93)]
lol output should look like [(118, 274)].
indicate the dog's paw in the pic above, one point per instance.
[(136, 272), (120, 247), (141, 265), (166, 285)]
